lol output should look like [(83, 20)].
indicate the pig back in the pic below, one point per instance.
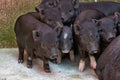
[(106, 7), (28, 22), (88, 14)]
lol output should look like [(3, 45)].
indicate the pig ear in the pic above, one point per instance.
[(58, 30), (39, 8), (36, 35), (76, 4), (116, 17), (56, 2)]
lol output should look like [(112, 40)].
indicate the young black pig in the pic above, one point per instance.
[(33, 35)]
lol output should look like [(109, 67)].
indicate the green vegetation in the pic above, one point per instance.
[(8, 15)]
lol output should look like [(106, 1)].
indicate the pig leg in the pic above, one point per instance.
[(93, 63), (72, 57), (82, 61), (46, 65), (29, 58), (81, 65), (21, 51), (34, 54), (59, 58), (21, 55)]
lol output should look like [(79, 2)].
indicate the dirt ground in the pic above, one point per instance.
[(11, 70)]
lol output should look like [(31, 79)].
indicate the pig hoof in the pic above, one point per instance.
[(47, 70), (29, 66), (81, 65), (34, 56), (72, 58), (20, 61)]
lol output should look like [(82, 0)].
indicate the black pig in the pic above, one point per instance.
[(87, 37), (66, 42), (33, 35), (67, 8), (52, 17), (109, 62), (108, 30), (107, 27)]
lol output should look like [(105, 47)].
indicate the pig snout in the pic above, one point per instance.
[(65, 51), (54, 53), (94, 49), (54, 58), (63, 17), (110, 37), (66, 48)]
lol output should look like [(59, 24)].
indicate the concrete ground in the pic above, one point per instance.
[(11, 70)]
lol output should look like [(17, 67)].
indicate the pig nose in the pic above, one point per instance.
[(62, 19), (110, 39), (95, 51), (65, 51), (94, 48), (54, 57)]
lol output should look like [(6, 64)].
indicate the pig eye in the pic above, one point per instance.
[(70, 38), (50, 4), (101, 30), (97, 36), (114, 28), (70, 10)]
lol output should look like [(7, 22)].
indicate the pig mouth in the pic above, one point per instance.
[(94, 52), (53, 60), (65, 51)]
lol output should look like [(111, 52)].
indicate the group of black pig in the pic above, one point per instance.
[(69, 26)]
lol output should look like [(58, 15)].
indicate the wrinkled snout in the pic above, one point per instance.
[(64, 17), (54, 58), (95, 51), (66, 47), (54, 53), (110, 37), (94, 48)]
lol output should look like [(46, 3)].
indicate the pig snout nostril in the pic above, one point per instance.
[(110, 39), (62, 19), (54, 57), (95, 51)]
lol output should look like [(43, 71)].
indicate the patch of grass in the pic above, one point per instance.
[(9, 15)]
